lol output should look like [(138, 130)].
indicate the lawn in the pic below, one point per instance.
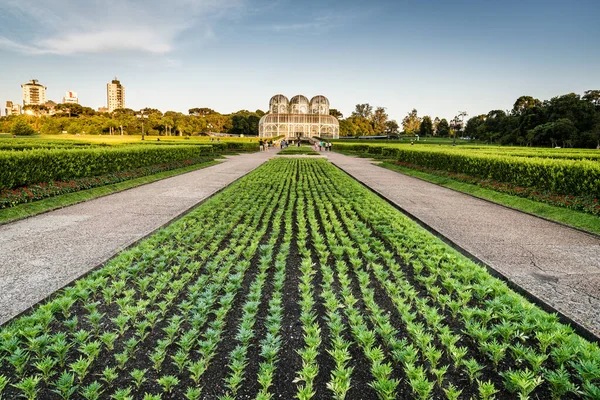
[(303, 150), (294, 282)]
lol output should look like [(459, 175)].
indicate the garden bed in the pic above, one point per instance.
[(295, 281)]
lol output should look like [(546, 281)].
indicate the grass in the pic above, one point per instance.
[(304, 150), (30, 209), (573, 218), (118, 139)]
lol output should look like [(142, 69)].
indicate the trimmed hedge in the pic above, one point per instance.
[(574, 177), (19, 168)]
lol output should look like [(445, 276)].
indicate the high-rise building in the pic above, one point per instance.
[(115, 93), (71, 98), (33, 93), (12, 108)]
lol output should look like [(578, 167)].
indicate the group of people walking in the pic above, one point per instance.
[(319, 146), (264, 145)]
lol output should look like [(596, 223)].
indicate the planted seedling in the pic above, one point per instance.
[(139, 377), (29, 387), (93, 391), (65, 385), (487, 390), (168, 382)]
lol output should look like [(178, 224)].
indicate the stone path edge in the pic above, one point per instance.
[(593, 234), (131, 245), (578, 328), (10, 221)]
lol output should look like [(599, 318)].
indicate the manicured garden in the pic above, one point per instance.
[(294, 282), (35, 169)]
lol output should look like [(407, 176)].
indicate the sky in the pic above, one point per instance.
[(440, 57)]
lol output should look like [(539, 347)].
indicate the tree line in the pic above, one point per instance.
[(74, 118), (569, 120)]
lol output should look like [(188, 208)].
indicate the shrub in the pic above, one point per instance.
[(21, 127), (43, 165)]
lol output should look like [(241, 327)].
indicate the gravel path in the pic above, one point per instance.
[(558, 265), (40, 255)]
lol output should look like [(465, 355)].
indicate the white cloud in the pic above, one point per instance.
[(69, 27)]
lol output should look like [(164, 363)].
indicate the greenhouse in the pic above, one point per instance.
[(299, 118)]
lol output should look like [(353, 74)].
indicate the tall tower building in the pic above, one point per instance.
[(33, 93), (115, 94), (71, 98)]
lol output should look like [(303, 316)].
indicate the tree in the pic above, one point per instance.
[(391, 127), (21, 127), (443, 128), (524, 103), (593, 96), (363, 110), (239, 125), (561, 131), (436, 122), (411, 123), (379, 119), (456, 126), (51, 126), (336, 113), (473, 124), (426, 127), (202, 112)]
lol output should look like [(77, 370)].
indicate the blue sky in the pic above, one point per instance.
[(439, 57)]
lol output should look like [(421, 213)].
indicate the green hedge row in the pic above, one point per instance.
[(574, 177), (42, 165)]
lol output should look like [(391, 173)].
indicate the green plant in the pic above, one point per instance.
[(560, 383), (473, 369), (168, 382), (65, 385), (486, 390), (452, 392), (139, 377), (29, 387), (522, 381), (93, 391)]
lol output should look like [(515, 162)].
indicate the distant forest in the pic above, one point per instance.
[(569, 120)]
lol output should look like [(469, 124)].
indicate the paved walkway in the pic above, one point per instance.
[(559, 265), (39, 255)]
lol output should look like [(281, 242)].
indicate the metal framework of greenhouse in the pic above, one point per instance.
[(299, 118)]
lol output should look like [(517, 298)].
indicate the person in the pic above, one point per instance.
[(329, 146), (298, 143), (320, 146), (260, 145)]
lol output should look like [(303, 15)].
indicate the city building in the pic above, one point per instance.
[(299, 118), (115, 94), (70, 98), (12, 108), (102, 109), (34, 94)]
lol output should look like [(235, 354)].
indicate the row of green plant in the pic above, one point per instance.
[(586, 204), (44, 165), (382, 309), (31, 193), (157, 313), (561, 176), (501, 337)]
